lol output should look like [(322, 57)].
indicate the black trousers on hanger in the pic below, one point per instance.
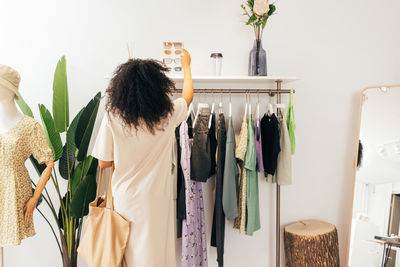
[(202, 159), (218, 227), (181, 200)]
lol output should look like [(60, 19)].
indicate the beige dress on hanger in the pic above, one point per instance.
[(142, 186), (240, 221), (16, 146)]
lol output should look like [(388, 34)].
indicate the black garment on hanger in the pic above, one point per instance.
[(270, 138), (213, 146), (218, 227), (201, 156), (181, 199)]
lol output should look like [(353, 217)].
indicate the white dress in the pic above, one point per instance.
[(142, 186)]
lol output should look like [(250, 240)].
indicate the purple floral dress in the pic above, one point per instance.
[(257, 136), (194, 243)]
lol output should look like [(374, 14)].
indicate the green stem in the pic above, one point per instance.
[(62, 206)]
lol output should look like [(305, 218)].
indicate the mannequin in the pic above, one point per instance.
[(10, 116)]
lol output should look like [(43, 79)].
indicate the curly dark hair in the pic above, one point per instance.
[(139, 93)]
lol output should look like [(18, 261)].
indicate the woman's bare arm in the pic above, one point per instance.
[(187, 90)]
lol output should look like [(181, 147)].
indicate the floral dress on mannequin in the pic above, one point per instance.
[(16, 146)]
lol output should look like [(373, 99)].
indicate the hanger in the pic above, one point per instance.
[(270, 108), (220, 105), (249, 105), (129, 50), (245, 109), (197, 112), (212, 112), (258, 107), (199, 107), (230, 105), (189, 110)]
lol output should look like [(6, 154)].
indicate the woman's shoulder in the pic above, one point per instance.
[(180, 111)]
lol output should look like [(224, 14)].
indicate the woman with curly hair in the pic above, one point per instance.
[(136, 136)]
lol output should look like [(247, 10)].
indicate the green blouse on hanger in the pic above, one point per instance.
[(252, 204), (291, 125)]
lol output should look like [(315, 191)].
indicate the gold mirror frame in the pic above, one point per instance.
[(356, 156)]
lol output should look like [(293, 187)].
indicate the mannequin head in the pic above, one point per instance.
[(6, 94), (9, 83)]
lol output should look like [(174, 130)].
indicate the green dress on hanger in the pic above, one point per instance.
[(291, 125), (253, 209)]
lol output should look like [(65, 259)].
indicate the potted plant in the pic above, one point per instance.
[(258, 13), (74, 166)]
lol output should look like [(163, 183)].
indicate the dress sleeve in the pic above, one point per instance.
[(40, 148), (104, 146), (180, 111)]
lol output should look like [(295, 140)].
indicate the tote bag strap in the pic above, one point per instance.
[(101, 178), (109, 196)]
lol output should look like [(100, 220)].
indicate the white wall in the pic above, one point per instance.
[(335, 47)]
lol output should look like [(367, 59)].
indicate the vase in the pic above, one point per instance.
[(257, 60), (67, 260)]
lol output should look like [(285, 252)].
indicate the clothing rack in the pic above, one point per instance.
[(238, 91), (271, 92)]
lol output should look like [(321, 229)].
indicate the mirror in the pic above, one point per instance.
[(375, 223)]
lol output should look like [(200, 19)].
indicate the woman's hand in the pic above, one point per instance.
[(185, 59), (28, 210), (105, 164)]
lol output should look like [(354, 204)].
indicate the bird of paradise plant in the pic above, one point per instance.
[(75, 168)]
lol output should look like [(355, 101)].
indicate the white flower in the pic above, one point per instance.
[(261, 7)]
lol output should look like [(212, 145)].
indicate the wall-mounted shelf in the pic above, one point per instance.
[(235, 82)]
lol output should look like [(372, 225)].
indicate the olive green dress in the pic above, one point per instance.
[(16, 146)]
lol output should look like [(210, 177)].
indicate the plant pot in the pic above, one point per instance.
[(67, 261), (257, 60)]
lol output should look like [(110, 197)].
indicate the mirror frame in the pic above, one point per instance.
[(355, 160)]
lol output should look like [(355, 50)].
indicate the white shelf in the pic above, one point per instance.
[(235, 82)]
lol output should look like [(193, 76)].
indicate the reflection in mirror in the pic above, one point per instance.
[(375, 222)]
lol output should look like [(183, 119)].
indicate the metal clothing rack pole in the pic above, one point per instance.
[(278, 192), (238, 91)]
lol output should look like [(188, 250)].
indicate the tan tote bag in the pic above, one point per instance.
[(105, 233)]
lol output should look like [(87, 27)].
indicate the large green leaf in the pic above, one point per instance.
[(85, 126), (23, 106), (87, 167), (71, 131), (60, 97), (84, 194), (53, 137), (67, 159)]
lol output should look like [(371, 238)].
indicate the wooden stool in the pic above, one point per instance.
[(311, 243)]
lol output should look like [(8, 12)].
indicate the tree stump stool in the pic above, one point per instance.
[(311, 243)]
